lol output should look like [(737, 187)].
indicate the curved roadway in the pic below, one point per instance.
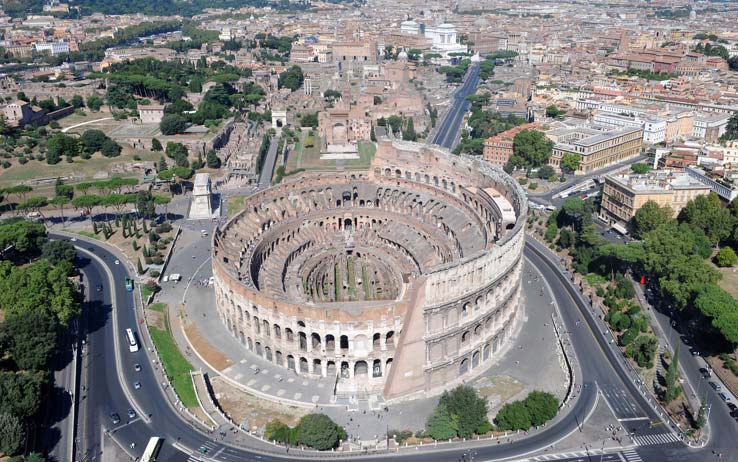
[(110, 389)]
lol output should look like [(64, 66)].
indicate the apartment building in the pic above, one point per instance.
[(624, 194), (499, 148)]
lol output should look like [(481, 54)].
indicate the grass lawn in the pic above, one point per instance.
[(88, 234), (235, 205), (80, 169), (145, 292), (176, 366), (160, 307), (729, 281)]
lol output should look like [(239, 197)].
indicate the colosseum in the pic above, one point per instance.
[(397, 280)]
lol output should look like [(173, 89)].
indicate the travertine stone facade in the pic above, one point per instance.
[(402, 279)]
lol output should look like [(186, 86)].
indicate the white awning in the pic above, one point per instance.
[(620, 228)]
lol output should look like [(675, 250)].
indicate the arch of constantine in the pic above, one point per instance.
[(399, 280)]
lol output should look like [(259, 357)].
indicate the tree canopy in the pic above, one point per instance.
[(292, 78), (467, 408), (650, 216), (319, 431), (531, 149)]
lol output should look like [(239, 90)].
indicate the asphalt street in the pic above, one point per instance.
[(105, 388), (267, 169), (447, 132)]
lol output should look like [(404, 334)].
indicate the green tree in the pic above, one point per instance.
[(212, 159), (60, 201), (707, 213), (20, 393), (110, 148), (553, 111), (441, 425), (722, 308), (309, 120), (409, 133), (172, 124), (551, 231), (139, 267), (640, 168), (25, 237), (319, 431), (12, 434), (650, 216), (570, 162), (30, 337), (58, 251), (156, 145), (513, 416), (292, 78), (395, 122), (39, 285), (94, 102), (532, 147), (77, 101), (467, 408), (541, 406), (726, 257), (672, 375)]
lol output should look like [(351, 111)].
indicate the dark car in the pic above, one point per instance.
[(131, 413), (115, 418), (99, 287)]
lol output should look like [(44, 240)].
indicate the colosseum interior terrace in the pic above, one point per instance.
[(398, 280)]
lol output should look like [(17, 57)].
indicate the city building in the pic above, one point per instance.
[(151, 113), (53, 48), (444, 40), (725, 185), (597, 148), (624, 194), (20, 113), (499, 148)]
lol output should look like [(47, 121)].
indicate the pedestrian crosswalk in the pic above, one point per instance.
[(655, 439), (631, 456)]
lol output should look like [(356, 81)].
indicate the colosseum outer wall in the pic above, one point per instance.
[(447, 325)]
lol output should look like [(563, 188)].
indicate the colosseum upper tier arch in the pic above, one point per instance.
[(401, 279)]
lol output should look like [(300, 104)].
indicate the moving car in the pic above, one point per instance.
[(137, 385), (137, 367), (131, 413), (115, 418)]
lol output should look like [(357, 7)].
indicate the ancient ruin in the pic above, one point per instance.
[(400, 280)]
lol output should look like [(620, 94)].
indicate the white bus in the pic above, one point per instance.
[(132, 344), (152, 449)]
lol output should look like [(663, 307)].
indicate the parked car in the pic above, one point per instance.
[(724, 397)]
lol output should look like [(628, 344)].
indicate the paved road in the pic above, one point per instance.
[(106, 393), (267, 170), (447, 132), (547, 198)]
